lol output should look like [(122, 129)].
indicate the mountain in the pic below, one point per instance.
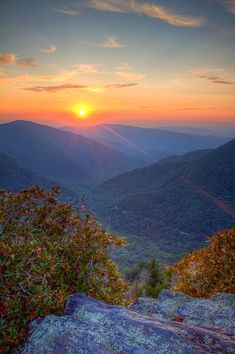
[(70, 159), (14, 176), (149, 144), (173, 204)]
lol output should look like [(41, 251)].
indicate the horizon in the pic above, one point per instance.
[(226, 129), (141, 63)]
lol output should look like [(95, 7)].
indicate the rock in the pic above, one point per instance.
[(144, 305), (90, 326), (218, 312), (166, 306), (208, 313), (224, 299)]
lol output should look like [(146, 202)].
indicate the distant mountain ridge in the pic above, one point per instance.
[(174, 203), (149, 144), (70, 159)]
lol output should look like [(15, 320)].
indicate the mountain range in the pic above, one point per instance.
[(172, 205), (148, 144), (69, 159), (165, 208)]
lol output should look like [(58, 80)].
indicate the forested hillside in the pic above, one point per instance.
[(14, 176), (173, 204)]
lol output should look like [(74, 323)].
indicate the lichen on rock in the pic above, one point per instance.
[(90, 326)]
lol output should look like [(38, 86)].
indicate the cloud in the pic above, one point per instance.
[(229, 5), (67, 11), (121, 85), (214, 76), (110, 43), (194, 109), (123, 67), (215, 80), (9, 80), (5, 72), (50, 49), (10, 59), (108, 5), (26, 62), (53, 89), (7, 59), (147, 9), (129, 76), (87, 69)]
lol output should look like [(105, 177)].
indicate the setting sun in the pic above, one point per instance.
[(81, 111)]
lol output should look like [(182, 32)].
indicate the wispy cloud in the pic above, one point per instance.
[(26, 62), (87, 69), (216, 80), (109, 5), (123, 67), (229, 5), (10, 59), (147, 9), (14, 80), (194, 109), (121, 85), (50, 49), (53, 89), (7, 59), (129, 76), (67, 11), (213, 76), (110, 43), (5, 72)]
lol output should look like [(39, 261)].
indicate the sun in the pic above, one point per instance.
[(81, 111)]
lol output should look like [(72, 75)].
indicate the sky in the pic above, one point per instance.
[(124, 61)]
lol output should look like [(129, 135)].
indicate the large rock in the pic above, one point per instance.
[(218, 312), (166, 305), (91, 326)]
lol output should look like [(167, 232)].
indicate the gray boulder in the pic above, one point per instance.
[(166, 305), (218, 312), (90, 326)]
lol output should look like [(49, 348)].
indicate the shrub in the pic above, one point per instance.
[(208, 270), (48, 251), (148, 279)]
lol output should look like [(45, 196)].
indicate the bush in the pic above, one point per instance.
[(148, 279), (48, 251), (208, 270)]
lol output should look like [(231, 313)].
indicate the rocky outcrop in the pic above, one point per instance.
[(174, 323), (217, 313)]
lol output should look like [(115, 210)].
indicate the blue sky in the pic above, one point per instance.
[(177, 54)]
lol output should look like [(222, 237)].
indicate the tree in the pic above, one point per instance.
[(208, 270), (148, 279), (49, 250)]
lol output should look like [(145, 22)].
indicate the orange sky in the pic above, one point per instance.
[(172, 63)]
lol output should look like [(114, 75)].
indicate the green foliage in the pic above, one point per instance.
[(208, 270), (147, 279), (48, 251)]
